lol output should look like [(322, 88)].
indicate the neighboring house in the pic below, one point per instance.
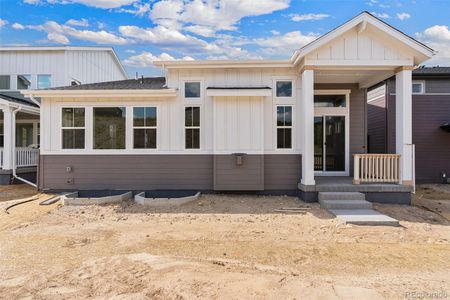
[(268, 126), (30, 68), (430, 110)]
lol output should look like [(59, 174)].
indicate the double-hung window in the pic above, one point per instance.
[(284, 127), (73, 127), (192, 127), (144, 127)]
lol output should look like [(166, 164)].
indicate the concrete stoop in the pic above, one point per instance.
[(352, 208)]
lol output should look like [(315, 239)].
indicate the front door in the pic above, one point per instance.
[(331, 140)]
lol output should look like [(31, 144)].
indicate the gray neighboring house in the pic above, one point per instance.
[(430, 113), (33, 68)]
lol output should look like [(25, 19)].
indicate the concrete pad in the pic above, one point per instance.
[(341, 196), (345, 204), (364, 217)]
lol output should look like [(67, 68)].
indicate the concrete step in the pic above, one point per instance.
[(345, 204), (364, 217), (341, 196)]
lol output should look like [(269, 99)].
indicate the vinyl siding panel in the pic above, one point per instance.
[(282, 172), (249, 176), (376, 119)]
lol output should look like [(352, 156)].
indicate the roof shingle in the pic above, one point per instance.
[(149, 83)]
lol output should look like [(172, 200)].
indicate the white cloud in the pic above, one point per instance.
[(307, 17), (285, 44), (105, 4), (372, 2), (215, 14), (381, 15), (3, 23), (146, 59), (403, 16), (60, 33), (138, 9), (18, 26), (82, 22), (130, 51), (275, 32), (201, 30), (438, 38)]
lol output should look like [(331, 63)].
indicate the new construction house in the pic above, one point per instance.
[(297, 125), (31, 68)]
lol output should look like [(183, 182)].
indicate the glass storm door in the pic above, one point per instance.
[(329, 143)]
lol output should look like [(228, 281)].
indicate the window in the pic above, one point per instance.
[(4, 82), (418, 87), (23, 82), (1, 136), (24, 134), (73, 128), (192, 89), (109, 127), (330, 101), (192, 127), (284, 127), (38, 134), (144, 127), (284, 88), (44, 81)]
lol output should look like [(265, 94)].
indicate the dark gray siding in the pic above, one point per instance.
[(282, 172), (358, 126), (228, 176), (146, 172), (432, 143), (376, 119)]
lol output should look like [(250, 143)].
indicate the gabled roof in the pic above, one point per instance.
[(149, 83), (432, 71), (363, 19)]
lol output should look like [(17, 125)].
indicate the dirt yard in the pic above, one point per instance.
[(221, 247)]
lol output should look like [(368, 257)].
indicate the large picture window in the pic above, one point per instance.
[(109, 127), (284, 127), (192, 127), (144, 127), (73, 128)]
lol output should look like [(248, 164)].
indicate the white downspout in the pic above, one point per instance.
[(14, 151), (34, 100)]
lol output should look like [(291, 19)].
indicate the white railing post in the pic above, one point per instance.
[(356, 169)]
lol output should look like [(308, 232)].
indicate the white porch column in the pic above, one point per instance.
[(307, 127), (9, 122), (403, 123)]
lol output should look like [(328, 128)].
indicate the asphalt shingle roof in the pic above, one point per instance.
[(432, 71), (18, 98), (149, 83)]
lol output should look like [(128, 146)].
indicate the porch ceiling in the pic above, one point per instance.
[(365, 78)]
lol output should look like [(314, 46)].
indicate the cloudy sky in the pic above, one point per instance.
[(144, 30)]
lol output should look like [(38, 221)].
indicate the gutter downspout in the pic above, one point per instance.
[(34, 100), (14, 152)]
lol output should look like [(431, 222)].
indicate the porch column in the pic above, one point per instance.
[(8, 131), (403, 122), (307, 127)]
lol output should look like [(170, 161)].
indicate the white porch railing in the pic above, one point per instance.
[(376, 168), (26, 157)]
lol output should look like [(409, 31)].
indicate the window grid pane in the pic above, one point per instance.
[(284, 127), (144, 131), (192, 124)]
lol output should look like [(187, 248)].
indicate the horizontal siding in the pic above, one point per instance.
[(376, 119), (146, 172)]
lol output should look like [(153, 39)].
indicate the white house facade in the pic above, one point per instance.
[(266, 126), (32, 68)]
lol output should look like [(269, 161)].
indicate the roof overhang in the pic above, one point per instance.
[(223, 64), (23, 107), (137, 93), (238, 92), (422, 51)]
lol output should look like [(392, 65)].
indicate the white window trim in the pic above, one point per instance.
[(192, 127), (202, 90), (284, 78), (291, 127), (337, 111), (61, 127), (422, 84), (144, 127)]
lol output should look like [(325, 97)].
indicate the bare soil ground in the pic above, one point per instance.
[(220, 247)]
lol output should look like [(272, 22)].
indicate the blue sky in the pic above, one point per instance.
[(142, 31)]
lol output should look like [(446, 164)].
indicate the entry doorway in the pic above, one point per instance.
[(331, 132)]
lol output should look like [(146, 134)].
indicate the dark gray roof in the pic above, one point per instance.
[(149, 83), (18, 98), (432, 71), (239, 88)]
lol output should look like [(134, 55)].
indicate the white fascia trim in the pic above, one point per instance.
[(54, 48), (101, 93), (202, 64), (239, 92), (23, 108), (363, 17)]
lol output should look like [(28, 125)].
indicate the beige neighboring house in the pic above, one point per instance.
[(34, 68), (295, 126)]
